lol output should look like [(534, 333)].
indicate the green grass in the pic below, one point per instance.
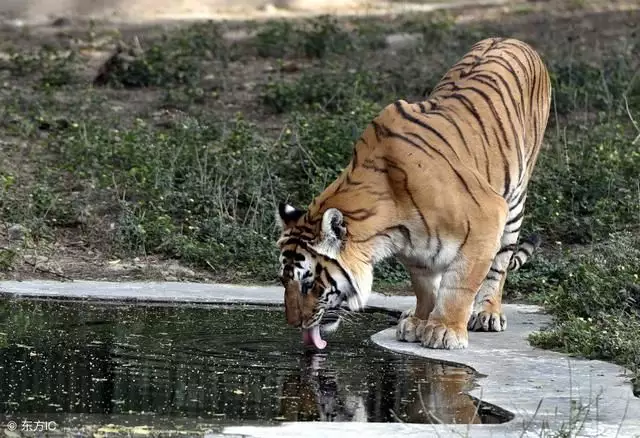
[(179, 57), (593, 295), (203, 187)]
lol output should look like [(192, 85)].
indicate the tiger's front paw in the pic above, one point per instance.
[(408, 324), (436, 334), (487, 318)]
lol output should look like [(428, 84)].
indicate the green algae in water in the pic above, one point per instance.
[(223, 365)]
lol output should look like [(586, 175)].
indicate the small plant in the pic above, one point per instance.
[(335, 91), (51, 67), (8, 257), (586, 184), (275, 39), (579, 86), (594, 298), (176, 59), (322, 36), (313, 38), (434, 28)]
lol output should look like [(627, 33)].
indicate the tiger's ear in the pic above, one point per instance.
[(288, 215), (333, 227)]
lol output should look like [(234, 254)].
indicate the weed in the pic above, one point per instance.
[(313, 38), (579, 86), (594, 298), (8, 257), (328, 91), (324, 35), (586, 184), (49, 66), (176, 59)]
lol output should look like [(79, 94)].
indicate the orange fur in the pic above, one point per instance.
[(440, 184)]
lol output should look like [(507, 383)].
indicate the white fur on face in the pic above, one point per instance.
[(331, 327)]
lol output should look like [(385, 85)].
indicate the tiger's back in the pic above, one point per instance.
[(501, 92), (441, 184)]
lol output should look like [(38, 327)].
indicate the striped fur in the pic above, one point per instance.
[(440, 184)]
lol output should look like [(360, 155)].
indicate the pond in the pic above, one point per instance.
[(77, 362)]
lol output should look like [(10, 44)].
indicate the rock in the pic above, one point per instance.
[(61, 22), (175, 270), (397, 41), (17, 232), (119, 62)]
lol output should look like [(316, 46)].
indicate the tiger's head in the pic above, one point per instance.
[(319, 288)]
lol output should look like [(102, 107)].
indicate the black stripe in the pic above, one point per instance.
[(469, 106), (495, 77), (482, 79), (438, 248), (512, 231), (519, 200), (406, 189), (359, 214), (455, 125), (508, 248), (460, 178), (466, 237), (385, 233), (507, 66), (516, 218), (526, 251), (409, 117), (379, 130), (491, 105), (370, 165)]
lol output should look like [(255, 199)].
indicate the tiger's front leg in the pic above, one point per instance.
[(425, 286), (446, 326)]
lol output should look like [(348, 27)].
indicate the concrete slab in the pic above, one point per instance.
[(170, 292), (546, 391)]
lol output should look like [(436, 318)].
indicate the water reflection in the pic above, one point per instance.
[(218, 364)]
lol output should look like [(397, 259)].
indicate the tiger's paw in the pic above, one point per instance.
[(435, 334), (407, 329), (486, 321)]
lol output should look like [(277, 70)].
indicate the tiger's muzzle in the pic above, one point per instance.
[(299, 304)]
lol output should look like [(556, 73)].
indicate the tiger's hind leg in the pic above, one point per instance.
[(412, 321), (487, 312)]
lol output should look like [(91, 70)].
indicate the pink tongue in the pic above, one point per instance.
[(312, 336)]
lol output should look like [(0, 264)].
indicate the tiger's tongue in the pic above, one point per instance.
[(312, 337)]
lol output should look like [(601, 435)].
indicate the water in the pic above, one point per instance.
[(79, 361)]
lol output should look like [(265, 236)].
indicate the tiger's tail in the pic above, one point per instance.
[(525, 250)]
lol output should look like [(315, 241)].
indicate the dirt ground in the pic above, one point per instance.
[(73, 256)]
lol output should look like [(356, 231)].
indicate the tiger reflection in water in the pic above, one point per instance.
[(313, 395), (433, 393)]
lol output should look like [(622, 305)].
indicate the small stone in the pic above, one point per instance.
[(61, 22), (402, 40), (17, 232), (175, 270)]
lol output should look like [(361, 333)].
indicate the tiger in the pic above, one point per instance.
[(440, 184)]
